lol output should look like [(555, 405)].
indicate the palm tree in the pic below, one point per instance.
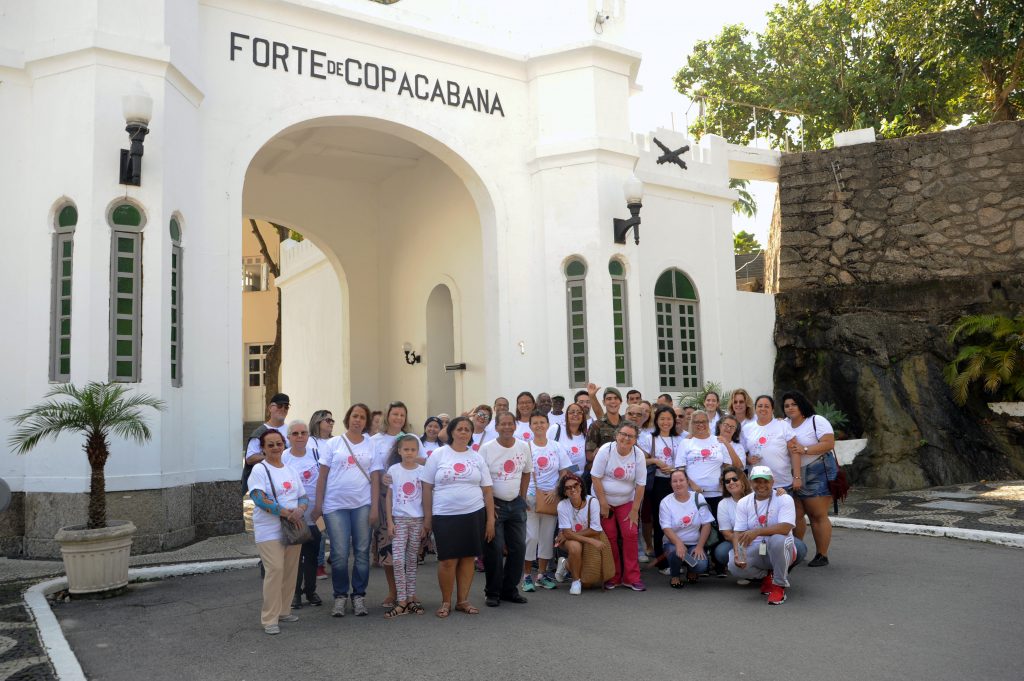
[(97, 411), (994, 356)]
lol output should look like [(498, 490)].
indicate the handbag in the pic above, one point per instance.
[(292, 534), (838, 487), (714, 537), (541, 504), (598, 565)]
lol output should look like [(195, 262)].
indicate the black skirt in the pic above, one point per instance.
[(460, 536)]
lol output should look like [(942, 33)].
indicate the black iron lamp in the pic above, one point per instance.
[(138, 109), (410, 356), (634, 192)]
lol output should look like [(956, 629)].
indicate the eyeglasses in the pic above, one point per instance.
[(626, 436), (328, 421), (481, 414), (571, 487), (729, 481), (295, 433)]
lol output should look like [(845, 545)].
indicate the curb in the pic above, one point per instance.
[(984, 536), (63, 659)]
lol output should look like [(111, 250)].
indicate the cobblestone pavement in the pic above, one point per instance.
[(21, 654), (988, 506)]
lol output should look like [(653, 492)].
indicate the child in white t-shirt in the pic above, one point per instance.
[(404, 508)]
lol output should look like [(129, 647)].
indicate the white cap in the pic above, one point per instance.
[(762, 472)]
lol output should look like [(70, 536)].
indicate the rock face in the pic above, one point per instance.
[(878, 352)]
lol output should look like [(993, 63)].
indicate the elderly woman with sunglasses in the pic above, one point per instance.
[(736, 486), (580, 533)]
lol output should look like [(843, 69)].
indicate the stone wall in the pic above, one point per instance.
[(942, 205)]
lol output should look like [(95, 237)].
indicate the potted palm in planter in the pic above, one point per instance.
[(991, 354), (95, 554)]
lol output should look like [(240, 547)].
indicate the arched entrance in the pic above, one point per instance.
[(383, 219)]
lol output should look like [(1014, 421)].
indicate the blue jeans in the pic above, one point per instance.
[(676, 564), (349, 529)]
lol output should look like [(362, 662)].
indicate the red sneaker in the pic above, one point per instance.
[(766, 584), (321, 573), (777, 596)]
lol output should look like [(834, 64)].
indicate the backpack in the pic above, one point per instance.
[(247, 467)]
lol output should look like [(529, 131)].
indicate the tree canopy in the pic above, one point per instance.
[(744, 242), (901, 66)]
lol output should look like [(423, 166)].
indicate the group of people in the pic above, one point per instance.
[(537, 495)]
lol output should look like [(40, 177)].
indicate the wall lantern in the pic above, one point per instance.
[(633, 189), (138, 109), (410, 356)]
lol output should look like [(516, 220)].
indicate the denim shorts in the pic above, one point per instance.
[(816, 476)]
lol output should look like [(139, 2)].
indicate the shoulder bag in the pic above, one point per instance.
[(541, 503), (290, 532), (838, 487)]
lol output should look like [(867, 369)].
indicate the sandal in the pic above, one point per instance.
[(388, 604), (676, 583), (467, 607), (415, 607), (692, 577), (396, 611), (444, 610)]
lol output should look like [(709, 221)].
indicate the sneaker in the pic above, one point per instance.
[(272, 629), (321, 572), (288, 618), (576, 588), (314, 599), (562, 571), (644, 558), (359, 606), (638, 585), (665, 571), (766, 584), (339, 607), (546, 581), (819, 561), (777, 596), (611, 584), (528, 584), (296, 601)]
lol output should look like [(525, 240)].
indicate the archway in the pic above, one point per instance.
[(440, 351)]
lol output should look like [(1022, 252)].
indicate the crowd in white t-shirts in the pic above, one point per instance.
[(536, 495)]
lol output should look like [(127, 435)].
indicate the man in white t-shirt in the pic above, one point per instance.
[(762, 536), (510, 463), (557, 414), (277, 412)]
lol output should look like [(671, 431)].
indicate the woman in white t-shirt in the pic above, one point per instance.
[(712, 402), (815, 442), (686, 522), (305, 461), (619, 475), (666, 444), (277, 493), (525, 404), (580, 532), (736, 486), (550, 462), (458, 506), (394, 423), (404, 514), (481, 418), (703, 457), (343, 496), (741, 406), (573, 437), (768, 444), (430, 439), (728, 433)]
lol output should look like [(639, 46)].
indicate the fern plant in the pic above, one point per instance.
[(990, 353)]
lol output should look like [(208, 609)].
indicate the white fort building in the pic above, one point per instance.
[(454, 166)]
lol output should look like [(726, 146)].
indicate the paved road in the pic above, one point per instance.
[(888, 607)]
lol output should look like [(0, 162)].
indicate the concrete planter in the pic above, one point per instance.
[(96, 560), (847, 450), (1008, 408)]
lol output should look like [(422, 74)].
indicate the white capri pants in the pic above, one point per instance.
[(540, 535)]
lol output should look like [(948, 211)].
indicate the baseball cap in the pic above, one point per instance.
[(613, 391), (280, 399), (761, 472)]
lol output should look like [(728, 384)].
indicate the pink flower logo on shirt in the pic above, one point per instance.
[(705, 453), (763, 519), (619, 473), (351, 459), (509, 466), (687, 519), (762, 440), (527, 436), (307, 475), (575, 450), (578, 527), (459, 468), (476, 447), (409, 488), (287, 485), (543, 462), (666, 451)]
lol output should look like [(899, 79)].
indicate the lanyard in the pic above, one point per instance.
[(665, 445), (766, 510)]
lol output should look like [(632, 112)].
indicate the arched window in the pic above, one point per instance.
[(60, 304), (176, 302), (620, 322), (576, 320), (676, 308), (126, 223)]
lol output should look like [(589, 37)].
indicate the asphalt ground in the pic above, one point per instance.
[(888, 607)]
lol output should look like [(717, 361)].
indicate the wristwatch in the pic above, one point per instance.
[(805, 450)]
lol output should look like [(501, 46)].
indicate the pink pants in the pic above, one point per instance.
[(628, 570)]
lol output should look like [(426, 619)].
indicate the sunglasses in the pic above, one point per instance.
[(295, 433), (328, 420), (729, 481)]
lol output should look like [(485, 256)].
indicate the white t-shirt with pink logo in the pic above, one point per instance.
[(703, 460), (267, 526), (752, 513), (506, 466), (429, 448), (770, 443), (619, 474), (666, 449), (347, 487), (523, 431), (480, 439), (684, 517), (406, 492), (577, 520), (308, 469), (575, 447), (548, 461), (458, 479)]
